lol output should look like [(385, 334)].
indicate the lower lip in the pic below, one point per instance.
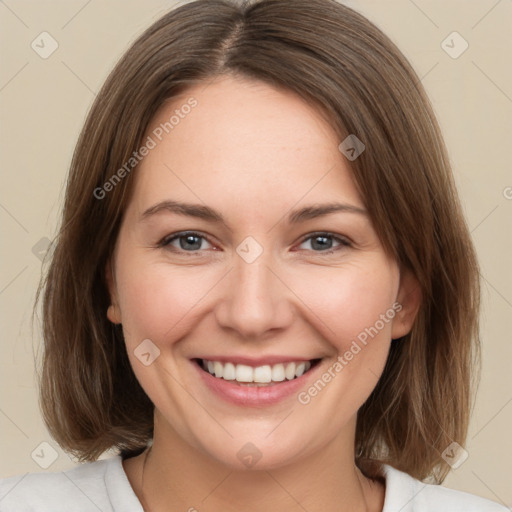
[(253, 396)]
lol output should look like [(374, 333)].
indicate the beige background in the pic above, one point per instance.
[(43, 103)]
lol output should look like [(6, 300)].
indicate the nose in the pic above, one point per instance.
[(256, 302)]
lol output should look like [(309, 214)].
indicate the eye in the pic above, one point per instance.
[(192, 242), (186, 241), (324, 242)]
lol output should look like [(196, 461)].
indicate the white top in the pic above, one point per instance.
[(103, 486)]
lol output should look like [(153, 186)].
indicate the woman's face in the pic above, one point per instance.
[(226, 255)]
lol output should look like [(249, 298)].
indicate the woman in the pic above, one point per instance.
[(264, 294)]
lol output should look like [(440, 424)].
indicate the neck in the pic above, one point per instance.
[(175, 476)]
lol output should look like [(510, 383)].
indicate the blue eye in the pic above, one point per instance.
[(187, 241), (192, 242), (323, 242)]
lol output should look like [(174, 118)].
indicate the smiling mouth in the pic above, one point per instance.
[(265, 375)]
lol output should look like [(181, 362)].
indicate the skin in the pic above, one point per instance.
[(253, 153)]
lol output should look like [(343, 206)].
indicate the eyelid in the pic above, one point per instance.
[(343, 241), (340, 238), (166, 241)]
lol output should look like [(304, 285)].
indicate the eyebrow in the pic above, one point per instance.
[(206, 213)]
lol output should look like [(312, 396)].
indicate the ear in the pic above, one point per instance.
[(409, 298), (113, 311)]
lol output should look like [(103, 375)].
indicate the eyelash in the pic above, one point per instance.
[(165, 242)]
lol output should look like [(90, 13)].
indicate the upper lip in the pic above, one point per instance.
[(257, 361)]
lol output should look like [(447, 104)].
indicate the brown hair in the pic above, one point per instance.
[(332, 57)]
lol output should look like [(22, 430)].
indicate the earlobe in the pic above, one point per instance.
[(113, 312), (409, 298)]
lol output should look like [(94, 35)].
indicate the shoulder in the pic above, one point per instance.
[(406, 494), (93, 486)]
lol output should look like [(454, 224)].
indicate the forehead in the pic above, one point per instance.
[(246, 140)]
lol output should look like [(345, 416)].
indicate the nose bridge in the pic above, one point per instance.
[(255, 300)]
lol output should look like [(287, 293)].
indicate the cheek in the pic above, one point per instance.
[(351, 303), (355, 312), (158, 301)]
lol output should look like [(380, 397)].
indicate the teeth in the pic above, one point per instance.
[(289, 371), (243, 373), (260, 374), (300, 369), (218, 368), (263, 374), (229, 372), (278, 373)]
